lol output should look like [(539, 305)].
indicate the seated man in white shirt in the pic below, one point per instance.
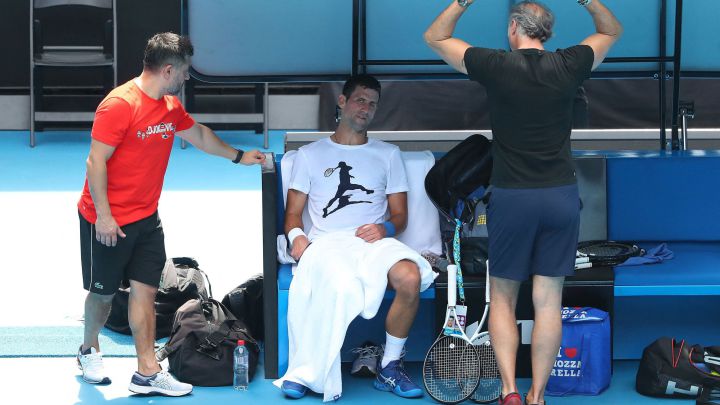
[(350, 183)]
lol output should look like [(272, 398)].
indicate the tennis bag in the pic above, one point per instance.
[(672, 368), (456, 185), (472, 211), (246, 303), (181, 281), (583, 364), (200, 348)]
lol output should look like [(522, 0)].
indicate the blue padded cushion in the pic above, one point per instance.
[(285, 277), (664, 197), (695, 270)]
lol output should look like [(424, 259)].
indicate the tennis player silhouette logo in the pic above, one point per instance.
[(344, 186)]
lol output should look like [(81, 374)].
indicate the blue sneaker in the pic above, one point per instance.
[(394, 379), (293, 390)]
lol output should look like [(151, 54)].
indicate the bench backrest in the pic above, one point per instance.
[(664, 198)]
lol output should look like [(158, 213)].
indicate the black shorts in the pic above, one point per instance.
[(139, 256)]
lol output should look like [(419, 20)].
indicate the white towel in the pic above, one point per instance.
[(283, 251), (339, 277)]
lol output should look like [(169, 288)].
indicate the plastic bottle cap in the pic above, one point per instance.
[(241, 343)]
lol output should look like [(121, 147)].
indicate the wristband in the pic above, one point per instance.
[(584, 3), (294, 233), (239, 156), (389, 228), (463, 3)]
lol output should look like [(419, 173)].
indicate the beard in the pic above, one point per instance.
[(176, 89)]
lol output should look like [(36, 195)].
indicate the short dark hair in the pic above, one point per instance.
[(354, 81), (167, 48), (534, 19)]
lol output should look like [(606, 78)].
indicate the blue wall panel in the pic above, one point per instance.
[(314, 37), (664, 197), (701, 43), (260, 37), (395, 30)]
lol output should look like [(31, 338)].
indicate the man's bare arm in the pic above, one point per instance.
[(106, 229), (608, 31), (439, 37), (294, 207)]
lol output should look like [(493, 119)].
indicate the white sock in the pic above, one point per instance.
[(393, 349)]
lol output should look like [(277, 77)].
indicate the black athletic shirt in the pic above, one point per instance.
[(530, 94)]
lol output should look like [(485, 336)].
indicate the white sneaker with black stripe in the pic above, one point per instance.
[(160, 383), (91, 364)]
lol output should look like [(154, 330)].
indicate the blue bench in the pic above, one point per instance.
[(422, 233), (655, 197)]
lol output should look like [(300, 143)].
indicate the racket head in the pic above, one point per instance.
[(489, 385), (329, 171), (451, 370), (607, 251)]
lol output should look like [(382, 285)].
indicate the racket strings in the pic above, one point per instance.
[(490, 385), (605, 251), (611, 252), (451, 370)]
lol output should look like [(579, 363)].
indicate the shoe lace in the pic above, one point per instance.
[(92, 361), (367, 352), (163, 379)]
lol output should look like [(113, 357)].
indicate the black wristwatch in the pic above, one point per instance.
[(239, 156), (463, 3)]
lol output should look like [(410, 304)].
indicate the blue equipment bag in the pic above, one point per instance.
[(583, 365)]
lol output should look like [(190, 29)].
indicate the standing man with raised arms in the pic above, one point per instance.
[(533, 213)]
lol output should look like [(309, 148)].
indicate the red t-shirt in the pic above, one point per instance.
[(142, 130)]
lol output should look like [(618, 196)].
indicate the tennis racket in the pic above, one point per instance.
[(599, 253), (458, 367), (329, 171)]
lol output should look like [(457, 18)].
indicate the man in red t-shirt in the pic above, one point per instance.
[(121, 236)]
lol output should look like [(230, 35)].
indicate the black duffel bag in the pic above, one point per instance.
[(202, 341), (671, 368), (246, 303), (181, 280)]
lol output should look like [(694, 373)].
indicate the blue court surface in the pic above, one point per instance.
[(61, 384)]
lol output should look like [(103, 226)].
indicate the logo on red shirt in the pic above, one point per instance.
[(166, 129)]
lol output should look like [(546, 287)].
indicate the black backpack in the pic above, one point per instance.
[(668, 369), (457, 184), (202, 341), (181, 280), (246, 303)]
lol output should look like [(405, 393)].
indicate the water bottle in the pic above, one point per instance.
[(240, 367)]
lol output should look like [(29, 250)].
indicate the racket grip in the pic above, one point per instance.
[(452, 284)]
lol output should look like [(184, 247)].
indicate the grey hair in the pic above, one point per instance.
[(534, 19)]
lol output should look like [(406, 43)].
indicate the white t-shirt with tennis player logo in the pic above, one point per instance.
[(347, 185)]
